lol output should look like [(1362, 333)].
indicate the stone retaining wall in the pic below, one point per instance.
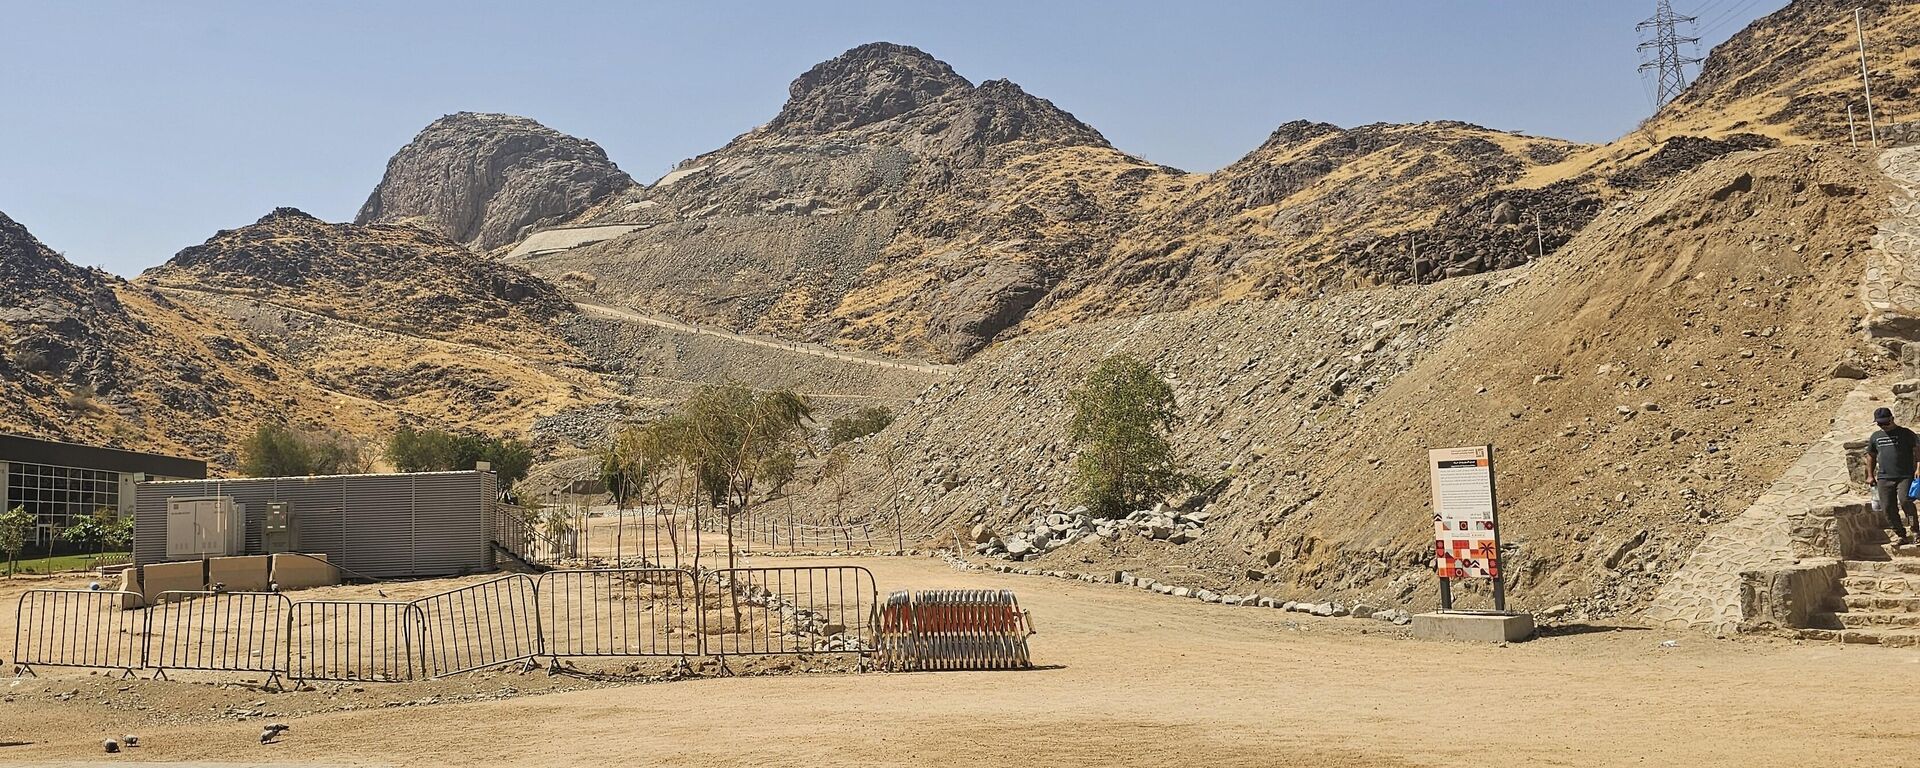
[(1789, 597)]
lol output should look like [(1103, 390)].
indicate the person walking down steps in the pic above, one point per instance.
[(1890, 458)]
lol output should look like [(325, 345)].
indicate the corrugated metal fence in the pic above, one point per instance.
[(381, 526), (632, 612)]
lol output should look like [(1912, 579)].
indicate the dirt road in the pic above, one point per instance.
[(631, 316), (1135, 679)]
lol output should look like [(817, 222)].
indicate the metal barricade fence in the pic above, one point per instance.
[(619, 612), (657, 612), (363, 641), (484, 625), (78, 628), (953, 629), (767, 611), (218, 632)]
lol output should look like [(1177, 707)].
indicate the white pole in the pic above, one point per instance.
[(1539, 240), (1853, 134), (1873, 130)]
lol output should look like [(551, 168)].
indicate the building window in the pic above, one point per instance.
[(60, 496)]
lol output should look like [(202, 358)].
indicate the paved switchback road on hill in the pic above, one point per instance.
[(599, 310)]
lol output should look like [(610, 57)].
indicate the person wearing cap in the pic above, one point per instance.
[(1890, 453)]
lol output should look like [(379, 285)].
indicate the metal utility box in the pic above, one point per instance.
[(276, 529), (206, 526)]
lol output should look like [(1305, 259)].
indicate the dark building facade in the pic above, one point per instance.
[(62, 483)]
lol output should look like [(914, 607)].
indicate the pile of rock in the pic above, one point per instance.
[(803, 624), (1053, 531)]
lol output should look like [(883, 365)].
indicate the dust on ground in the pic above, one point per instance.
[(1125, 677)]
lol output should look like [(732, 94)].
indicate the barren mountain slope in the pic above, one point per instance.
[(1792, 74), (944, 208), (1651, 376), (488, 180), (1319, 207), (1787, 78), (95, 359), (893, 206), (448, 337), (400, 278)]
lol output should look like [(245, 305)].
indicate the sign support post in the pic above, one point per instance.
[(1466, 537)]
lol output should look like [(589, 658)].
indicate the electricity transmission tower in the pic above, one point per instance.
[(1666, 49)]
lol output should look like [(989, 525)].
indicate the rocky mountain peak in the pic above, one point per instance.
[(31, 270), (1009, 113), (285, 214), (488, 180), (866, 85), (392, 276), (879, 82), (1295, 131)]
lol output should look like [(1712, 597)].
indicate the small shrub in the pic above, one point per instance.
[(862, 423)]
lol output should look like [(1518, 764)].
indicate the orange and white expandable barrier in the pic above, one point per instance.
[(953, 629)]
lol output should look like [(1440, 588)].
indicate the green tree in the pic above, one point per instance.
[(1120, 423), (277, 450), (778, 470), (862, 423), (93, 532), (731, 437), (434, 450), (15, 525), (614, 466)]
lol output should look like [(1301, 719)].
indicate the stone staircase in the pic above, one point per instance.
[(1878, 602)]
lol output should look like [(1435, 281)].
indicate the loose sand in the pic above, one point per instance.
[(1128, 678)]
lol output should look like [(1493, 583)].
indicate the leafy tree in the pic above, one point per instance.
[(97, 530), (833, 469), (614, 466), (863, 422), (731, 437), (1120, 423), (434, 450), (778, 470), (277, 450), (338, 453), (15, 525)]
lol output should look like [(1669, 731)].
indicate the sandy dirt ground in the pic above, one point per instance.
[(1127, 678)]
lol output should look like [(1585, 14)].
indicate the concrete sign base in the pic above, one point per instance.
[(1473, 627)]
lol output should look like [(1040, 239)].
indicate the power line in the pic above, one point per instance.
[(1734, 13), (1666, 49)]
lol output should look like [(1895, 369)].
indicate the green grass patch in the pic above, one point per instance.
[(65, 563)]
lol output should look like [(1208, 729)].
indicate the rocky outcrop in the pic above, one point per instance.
[(488, 180), (860, 214), (871, 83), (978, 306), (1683, 153), (56, 313), (383, 275)]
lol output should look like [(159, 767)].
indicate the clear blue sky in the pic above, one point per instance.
[(130, 130)]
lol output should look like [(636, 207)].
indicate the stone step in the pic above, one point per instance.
[(1891, 549), (1893, 604), (1886, 584), (1896, 566), (1891, 638), (1853, 620)]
